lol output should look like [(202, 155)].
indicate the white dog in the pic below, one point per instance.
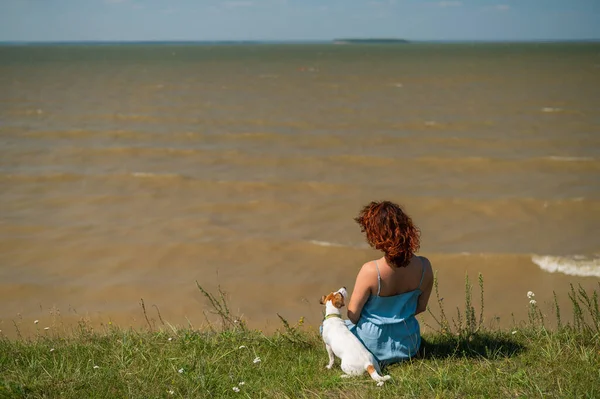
[(356, 359)]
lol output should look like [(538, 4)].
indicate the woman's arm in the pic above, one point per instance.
[(361, 292), (426, 287)]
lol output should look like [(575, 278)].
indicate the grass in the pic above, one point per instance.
[(460, 359)]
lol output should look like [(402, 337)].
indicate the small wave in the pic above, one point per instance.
[(551, 109), (159, 175), (338, 245), (576, 265), (326, 243), (569, 159)]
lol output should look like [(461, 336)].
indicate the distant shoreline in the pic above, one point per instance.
[(370, 41), (349, 41)]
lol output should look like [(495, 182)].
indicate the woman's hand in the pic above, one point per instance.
[(361, 292)]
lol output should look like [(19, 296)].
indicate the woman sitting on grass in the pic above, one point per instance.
[(390, 291)]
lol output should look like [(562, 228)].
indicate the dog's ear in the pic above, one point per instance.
[(338, 300), (323, 299)]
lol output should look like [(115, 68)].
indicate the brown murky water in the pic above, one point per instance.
[(131, 172)]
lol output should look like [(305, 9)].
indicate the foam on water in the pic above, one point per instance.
[(570, 159), (575, 265), (551, 109), (156, 175), (326, 243)]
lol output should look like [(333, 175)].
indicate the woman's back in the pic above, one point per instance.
[(398, 280)]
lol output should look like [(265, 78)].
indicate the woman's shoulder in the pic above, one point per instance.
[(425, 260), (369, 268), (368, 273)]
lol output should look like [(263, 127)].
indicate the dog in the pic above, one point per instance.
[(356, 359)]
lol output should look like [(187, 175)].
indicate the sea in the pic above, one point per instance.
[(131, 174)]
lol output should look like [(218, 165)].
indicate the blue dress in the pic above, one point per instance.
[(388, 327)]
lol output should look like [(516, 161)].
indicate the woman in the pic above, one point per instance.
[(390, 291)]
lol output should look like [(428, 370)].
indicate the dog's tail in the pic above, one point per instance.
[(375, 375)]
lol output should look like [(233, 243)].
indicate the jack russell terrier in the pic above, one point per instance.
[(356, 359)]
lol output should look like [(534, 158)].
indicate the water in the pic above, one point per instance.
[(132, 171)]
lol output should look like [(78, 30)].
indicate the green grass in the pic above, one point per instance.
[(461, 361)]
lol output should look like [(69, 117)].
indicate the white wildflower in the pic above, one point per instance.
[(532, 302), (96, 367), (46, 328), (171, 392), (530, 295), (242, 383), (36, 321), (170, 339), (256, 360), (235, 389), (242, 346), (51, 349), (514, 332), (180, 371)]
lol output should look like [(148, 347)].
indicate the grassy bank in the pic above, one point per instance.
[(461, 359)]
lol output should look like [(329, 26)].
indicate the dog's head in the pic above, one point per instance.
[(337, 298)]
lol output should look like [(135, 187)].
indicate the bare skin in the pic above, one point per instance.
[(394, 281)]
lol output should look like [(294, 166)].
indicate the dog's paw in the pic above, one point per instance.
[(385, 378), (380, 383), (329, 366)]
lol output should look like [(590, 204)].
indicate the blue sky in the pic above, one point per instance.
[(73, 20)]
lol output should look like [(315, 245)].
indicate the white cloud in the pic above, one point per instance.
[(449, 3)]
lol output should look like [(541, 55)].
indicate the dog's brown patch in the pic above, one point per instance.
[(370, 369), (336, 299)]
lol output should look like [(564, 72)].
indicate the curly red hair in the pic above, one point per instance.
[(389, 229)]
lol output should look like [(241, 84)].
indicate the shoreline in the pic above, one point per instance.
[(506, 282)]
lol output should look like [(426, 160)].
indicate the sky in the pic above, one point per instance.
[(297, 20)]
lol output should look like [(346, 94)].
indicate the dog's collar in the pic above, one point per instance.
[(332, 315)]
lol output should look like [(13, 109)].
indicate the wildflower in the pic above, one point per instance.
[(530, 295), (532, 302), (170, 339), (235, 389), (180, 371), (242, 346), (96, 367), (36, 321), (51, 349), (171, 392), (256, 360), (46, 328), (514, 332), (242, 383)]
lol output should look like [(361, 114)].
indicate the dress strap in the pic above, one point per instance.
[(378, 279), (422, 273)]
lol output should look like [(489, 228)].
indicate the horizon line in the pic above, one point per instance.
[(292, 41)]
